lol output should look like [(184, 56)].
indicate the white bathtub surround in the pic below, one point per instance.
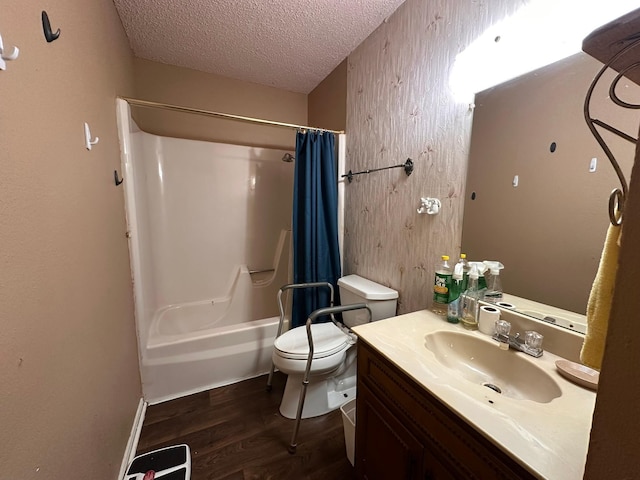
[(209, 343), (225, 310), (200, 217), (549, 439)]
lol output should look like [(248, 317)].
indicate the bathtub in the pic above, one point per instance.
[(201, 345), (178, 365), (197, 346)]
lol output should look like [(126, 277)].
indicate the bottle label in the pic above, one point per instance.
[(441, 286)]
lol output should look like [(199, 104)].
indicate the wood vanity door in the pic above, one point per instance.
[(404, 432), (434, 469), (385, 448)]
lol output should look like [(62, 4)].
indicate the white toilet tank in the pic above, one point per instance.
[(380, 299)]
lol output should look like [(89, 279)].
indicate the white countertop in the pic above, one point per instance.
[(549, 439)]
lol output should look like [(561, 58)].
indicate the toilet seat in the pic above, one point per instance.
[(328, 340)]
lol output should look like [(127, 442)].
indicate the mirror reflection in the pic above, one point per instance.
[(538, 183)]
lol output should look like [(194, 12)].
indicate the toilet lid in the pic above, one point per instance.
[(327, 340)]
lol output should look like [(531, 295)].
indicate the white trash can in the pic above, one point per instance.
[(349, 423)]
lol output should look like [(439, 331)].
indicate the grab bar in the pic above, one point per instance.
[(305, 379), (251, 272), (291, 286)]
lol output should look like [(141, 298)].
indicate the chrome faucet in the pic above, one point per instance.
[(531, 344)]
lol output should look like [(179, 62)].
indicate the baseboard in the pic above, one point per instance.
[(132, 443)]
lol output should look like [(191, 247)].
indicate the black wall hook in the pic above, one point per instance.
[(116, 179), (46, 27)]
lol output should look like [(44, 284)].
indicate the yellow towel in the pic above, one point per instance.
[(599, 306)]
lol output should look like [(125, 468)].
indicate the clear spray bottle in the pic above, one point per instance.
[(481, 268), (464, 264), (470, 301), (493, 293), (457, 284)]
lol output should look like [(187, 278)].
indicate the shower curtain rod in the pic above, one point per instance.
[(228, 116)]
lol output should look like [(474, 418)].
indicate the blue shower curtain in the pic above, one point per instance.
[(316, 255)]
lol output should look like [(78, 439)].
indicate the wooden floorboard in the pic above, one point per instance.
[(237, 433)]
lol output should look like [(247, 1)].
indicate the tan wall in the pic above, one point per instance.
[(328, 101), (69, 378), (399, 105), (549, 231), (190, 88)]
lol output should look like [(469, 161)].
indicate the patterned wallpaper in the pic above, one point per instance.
[(399, 105)]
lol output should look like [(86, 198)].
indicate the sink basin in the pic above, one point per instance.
[(480, 361)]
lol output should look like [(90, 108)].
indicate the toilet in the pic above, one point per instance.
[(333, 368)]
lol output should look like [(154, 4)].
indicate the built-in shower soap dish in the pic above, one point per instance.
[(577, 373)]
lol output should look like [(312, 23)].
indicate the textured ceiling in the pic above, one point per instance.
[(288, 44)]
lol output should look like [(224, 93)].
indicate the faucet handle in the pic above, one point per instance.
[(503, 327), (533, 340), (502, 334)]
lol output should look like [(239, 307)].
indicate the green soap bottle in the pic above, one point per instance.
[(441, 286)]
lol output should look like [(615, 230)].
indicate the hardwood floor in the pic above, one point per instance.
[(237, 433)]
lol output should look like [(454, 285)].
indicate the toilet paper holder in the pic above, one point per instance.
[(429, 205)]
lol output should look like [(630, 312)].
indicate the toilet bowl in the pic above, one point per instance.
[(332, 379)]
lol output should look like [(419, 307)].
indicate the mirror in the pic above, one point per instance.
[(532, 202)]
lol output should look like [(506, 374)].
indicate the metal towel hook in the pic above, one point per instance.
[(6, 54), (49, 35), (618, 195)]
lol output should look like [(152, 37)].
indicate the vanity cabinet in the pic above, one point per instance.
[(403, 432)]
